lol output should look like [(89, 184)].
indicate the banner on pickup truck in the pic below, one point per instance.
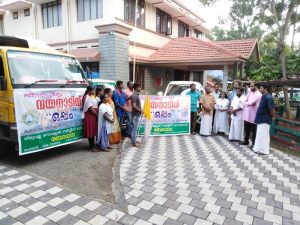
[(170, 115), (47, 118)]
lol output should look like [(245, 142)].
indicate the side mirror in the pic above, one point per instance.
[(160, 93), (3, 83)]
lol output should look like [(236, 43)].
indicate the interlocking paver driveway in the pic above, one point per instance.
[(199, 180), (169, 180)]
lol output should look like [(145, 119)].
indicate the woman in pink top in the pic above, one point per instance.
[(251, 105)]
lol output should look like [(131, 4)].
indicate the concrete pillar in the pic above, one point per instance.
[(242, 70), (225, 77), (114, 49), (235, 70), (191, 78), (205, 75)]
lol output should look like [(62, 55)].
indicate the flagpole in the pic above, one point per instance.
[(134, 43)]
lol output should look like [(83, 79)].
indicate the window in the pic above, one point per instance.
[(15, 15), (1, 25), (26, 12), (163, 22), (52, 15), (139, 74), (129, 12), (89, 9), (93, 66), (183, 29), (198, 34)]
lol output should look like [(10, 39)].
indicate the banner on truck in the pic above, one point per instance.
[(47, 118), (170, 115)]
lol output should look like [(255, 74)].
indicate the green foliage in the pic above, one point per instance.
[(270, 69)]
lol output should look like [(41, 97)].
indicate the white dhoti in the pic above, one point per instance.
[(236, 132), (206, 125), (262, 140)]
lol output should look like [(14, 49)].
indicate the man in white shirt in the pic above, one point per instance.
[(236, 110)]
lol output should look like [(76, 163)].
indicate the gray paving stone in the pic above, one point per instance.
[(8, 207), (223, 203), (199, 213), (134, 201), (228, 213), (7, 221), (283, 213), (47, 211), (68, 220), (257, 221), (229, 221), (171, 204), (86, 215), (249, 203), (147, 196), (143, 214), (157, 209), (172, 222), (103, 210), (187, 219), (198, 204), (65, 206), (26, 217), (28, 202), (128, 220)]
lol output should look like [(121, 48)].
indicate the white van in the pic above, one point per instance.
[(181, 88)]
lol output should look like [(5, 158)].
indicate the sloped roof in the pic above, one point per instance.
[(190, 49), (244, 47)]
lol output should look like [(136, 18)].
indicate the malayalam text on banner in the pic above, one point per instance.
[(170, 115), (47, 118)]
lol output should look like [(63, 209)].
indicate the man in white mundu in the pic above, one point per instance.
[(236, 132), (207, 102)]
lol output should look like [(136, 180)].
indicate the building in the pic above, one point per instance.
[(166, 41)]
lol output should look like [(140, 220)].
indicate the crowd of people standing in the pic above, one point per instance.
[(235, 114), (104, 112)]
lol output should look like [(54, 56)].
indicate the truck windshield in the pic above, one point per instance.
[(30, 67), (177, 89)]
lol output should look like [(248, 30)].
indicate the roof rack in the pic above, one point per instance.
[(13, 42)]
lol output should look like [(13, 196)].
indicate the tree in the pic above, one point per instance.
[(278, 16), (243, 22)]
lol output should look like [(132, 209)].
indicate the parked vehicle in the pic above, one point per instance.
[(40, 97), (180, 88), (103, 83)]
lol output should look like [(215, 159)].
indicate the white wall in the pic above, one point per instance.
[(85, 30), (23, 26)]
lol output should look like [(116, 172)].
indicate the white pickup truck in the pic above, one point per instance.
[(180, 88)]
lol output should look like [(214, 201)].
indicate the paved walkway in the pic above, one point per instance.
[(171, 180), (198, 180)]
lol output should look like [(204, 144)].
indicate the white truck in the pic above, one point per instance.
[(180, 88)]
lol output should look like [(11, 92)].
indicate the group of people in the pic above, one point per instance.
[(235, 114), (104, 112)]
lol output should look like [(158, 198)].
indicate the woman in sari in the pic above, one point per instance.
[(90, 114), (105, 121), (115, 136)]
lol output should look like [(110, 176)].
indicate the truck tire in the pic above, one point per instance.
[(5, 148)]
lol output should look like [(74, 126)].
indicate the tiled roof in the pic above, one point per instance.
[(243, 46), (191, 49)]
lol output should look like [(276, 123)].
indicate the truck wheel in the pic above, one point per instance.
[(5, 148)]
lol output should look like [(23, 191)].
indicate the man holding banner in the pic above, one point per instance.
[(136, 112)]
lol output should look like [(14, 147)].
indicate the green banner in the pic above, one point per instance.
[(166, 129), (50, 139)]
